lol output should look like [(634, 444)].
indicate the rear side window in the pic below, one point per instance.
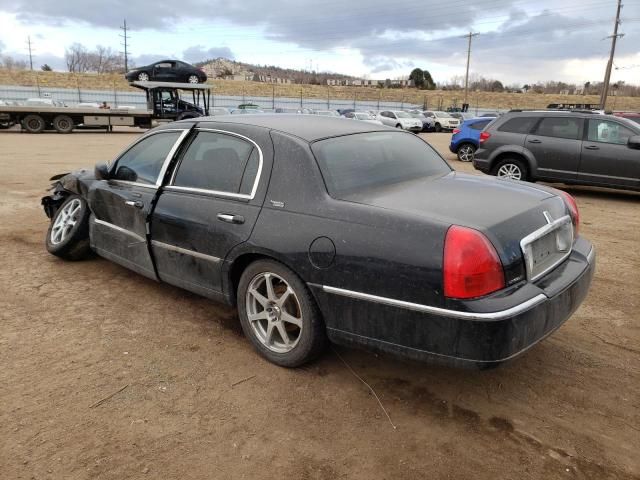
[(560, 127), (219, 162), (518, 125), (354, 162), (142, 162), (480, 125)]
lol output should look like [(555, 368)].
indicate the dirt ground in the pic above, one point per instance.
[(197, 402)]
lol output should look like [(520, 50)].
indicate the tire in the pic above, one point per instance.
[(437, 127), (305, 339), (33, 123), (398, 126), (193, 79), (143, 77), (70, 242), (465, 152), (511, 168), (63, 124)]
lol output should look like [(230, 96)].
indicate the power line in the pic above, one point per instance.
[(125, 43), (607, 75)]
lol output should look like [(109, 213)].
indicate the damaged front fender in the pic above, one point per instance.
[(65, 184)]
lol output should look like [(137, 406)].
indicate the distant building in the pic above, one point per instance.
[(362, 82)]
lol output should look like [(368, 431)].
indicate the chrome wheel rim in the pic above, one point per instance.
[(65, 221), (193, 79), (465, 153), (510, 171), (274, 312), (143, 77)]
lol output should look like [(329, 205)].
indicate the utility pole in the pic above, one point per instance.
[(30, 53), (607, 75), (125, 43), (466, 77)]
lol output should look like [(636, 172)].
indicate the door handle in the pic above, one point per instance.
[(535, 141), (592, 147), (226, 217), (132, 203)]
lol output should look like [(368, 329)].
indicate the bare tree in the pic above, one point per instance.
[(10, 63), (76, 57)]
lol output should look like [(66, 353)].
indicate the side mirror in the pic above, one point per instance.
[(634, 142), (101, 171)]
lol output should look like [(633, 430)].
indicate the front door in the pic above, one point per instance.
[(606, 159), (121, 205), (556, 144), (209, 206), (164, 72)]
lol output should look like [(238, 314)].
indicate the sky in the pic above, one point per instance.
[(520, 41)]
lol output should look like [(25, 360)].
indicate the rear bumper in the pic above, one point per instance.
[(478, 335), (479, 163)]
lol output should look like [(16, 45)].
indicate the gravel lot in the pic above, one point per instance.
[(199, 403)]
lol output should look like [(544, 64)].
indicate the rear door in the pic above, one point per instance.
[(606, 159), (120, 206), (209, 206), (556, 144)]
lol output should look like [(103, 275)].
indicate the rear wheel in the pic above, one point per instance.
[(193, 79), (278, 314), (510, 168), (33, 123), (465, 152), (63, 124), (68, 233), (143, 76)]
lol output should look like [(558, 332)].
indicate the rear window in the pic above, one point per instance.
[(518, 125), (375, 159), (480, 125), (560, 127)]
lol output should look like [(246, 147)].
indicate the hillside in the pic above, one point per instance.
[(230, 87)]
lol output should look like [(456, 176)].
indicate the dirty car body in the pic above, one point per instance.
[(366, 216)]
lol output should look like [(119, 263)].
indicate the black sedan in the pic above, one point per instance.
[(320, 229), (167, 71)]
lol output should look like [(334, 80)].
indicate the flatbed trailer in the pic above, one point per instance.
[(164, 104)]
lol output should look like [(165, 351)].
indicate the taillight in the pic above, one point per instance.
[(484, 136), (456, 130), (573, 210), (471, 266)]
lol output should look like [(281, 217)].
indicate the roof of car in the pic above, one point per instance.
[(307, 127)]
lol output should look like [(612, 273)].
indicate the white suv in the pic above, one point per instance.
[(443, 120), (400, 119)]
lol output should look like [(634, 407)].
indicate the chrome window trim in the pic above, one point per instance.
[(152, 186), (510, 312), (185, 251), (245, 196), (120, 229), (541, 232), (165, 162)]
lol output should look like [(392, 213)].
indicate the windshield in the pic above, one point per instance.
[(402, 115), (354, 162), (417, 115)]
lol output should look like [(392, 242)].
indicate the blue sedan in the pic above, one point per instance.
[(466, 139)]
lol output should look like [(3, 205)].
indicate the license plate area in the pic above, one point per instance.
[(547, 247)]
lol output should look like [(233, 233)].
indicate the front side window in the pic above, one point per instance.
[(219, 162), (518, 125), (142, 162), (606, 131), (560, 127), (376, 159)]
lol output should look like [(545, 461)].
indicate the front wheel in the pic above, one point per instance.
[(193, 79), (438, 127), (278, 314), (68, 233), (510, 168), (465, 152), (143, 77), (398, 126)]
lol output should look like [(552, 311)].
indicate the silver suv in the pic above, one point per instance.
[(569, 147)]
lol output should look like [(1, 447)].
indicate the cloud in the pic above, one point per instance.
[(198, 53)]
